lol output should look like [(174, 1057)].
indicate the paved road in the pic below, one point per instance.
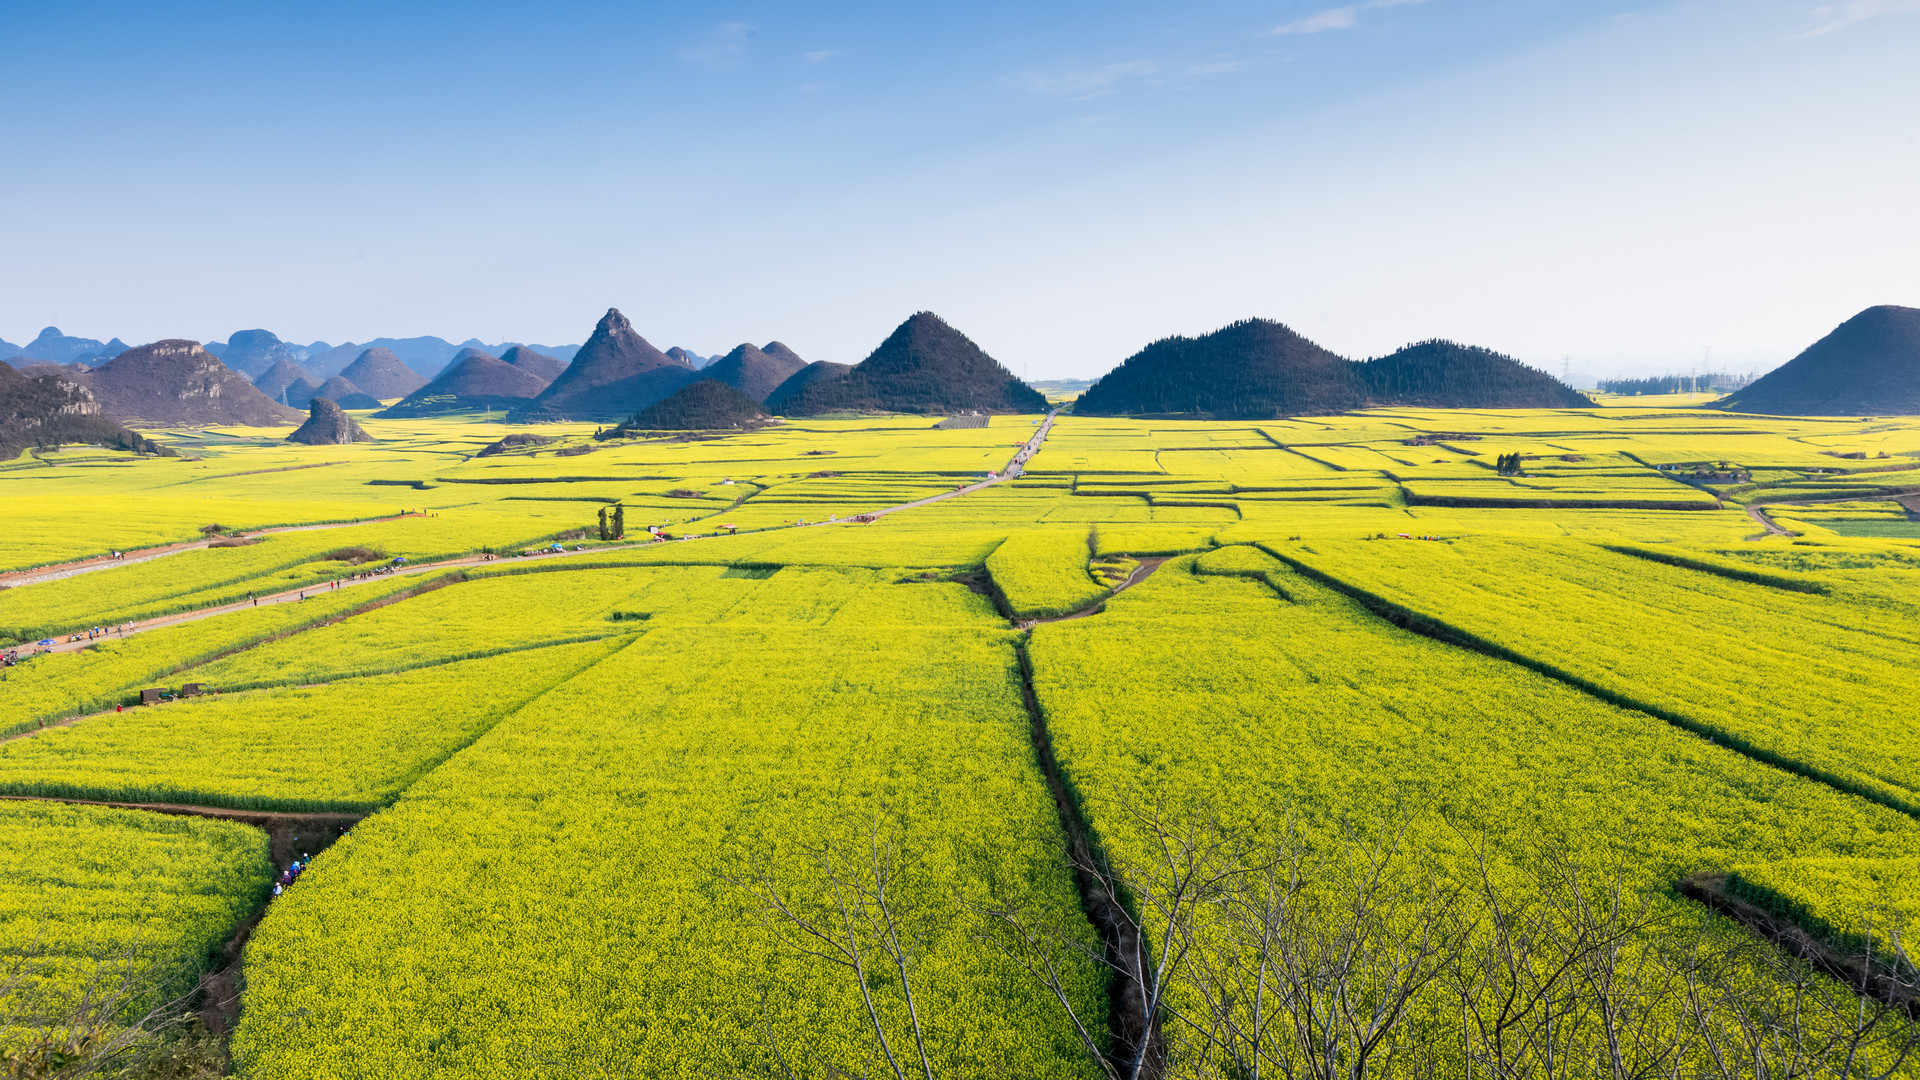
[(1014, 468)]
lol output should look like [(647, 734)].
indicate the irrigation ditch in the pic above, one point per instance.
[(1849, 966), (1135, 1034)]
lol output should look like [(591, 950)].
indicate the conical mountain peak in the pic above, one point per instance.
[(924, 366), (1868, 365), (615, 374)]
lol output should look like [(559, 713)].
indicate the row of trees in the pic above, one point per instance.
[(1509, 464), (1712, 382)]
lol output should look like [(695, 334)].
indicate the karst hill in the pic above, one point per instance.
[(537, 364), (1868, 365), (754, 371), (1445, 375), (283, 376), (1259, 369), (615, 374), (815, 372), (706, 405), (327, 425), (924, 366), (178, 382), (475, 380), (1251, 370), (47, 407), (381, 374)]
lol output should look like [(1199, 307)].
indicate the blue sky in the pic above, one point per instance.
[(1626, 184)]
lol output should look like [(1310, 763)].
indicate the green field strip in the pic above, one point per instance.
[(1880, 780), (347, 748)]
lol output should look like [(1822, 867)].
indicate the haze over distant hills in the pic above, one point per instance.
[(54, 347), (285, 372), (1868, 365), (924, 366), (1258, 369)]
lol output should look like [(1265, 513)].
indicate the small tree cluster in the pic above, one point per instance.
[(1509, 464)]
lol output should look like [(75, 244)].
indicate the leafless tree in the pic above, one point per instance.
[(127, 1018), (1250, 950), (854, 913)]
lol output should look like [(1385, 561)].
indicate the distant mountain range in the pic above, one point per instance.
[(54, 347), (1258, 369), (1869, 365), (252, 352)]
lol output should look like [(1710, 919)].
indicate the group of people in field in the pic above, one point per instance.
[(291, 874)]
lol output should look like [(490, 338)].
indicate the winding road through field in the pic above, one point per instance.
[(1013, 469)]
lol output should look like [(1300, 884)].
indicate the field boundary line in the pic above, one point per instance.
[(1713, 890), (1439, 630)]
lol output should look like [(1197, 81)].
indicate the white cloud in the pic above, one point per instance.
[(1111, 78), (1834, 16), (722, 47), (1346, 18)]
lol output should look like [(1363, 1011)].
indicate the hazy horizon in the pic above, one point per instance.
[(1617, 188)]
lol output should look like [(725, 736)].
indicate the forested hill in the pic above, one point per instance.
[(924, 366), (1869, 365), (1443, 375), (45, 408), (702, 406), (815, 372), (1259, 369), (1252, 370)]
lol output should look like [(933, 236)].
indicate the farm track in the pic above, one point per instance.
[(1765, 522), (1140, 573), (57, 571)]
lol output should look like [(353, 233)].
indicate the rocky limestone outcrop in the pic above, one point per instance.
[(328, 425)]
